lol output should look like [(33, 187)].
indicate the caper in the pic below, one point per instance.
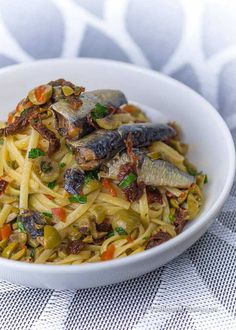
[(52, 238), (40, 95)]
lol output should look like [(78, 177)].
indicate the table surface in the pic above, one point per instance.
[(194, 42)]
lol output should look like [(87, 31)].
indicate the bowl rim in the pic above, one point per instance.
[(172, 243)]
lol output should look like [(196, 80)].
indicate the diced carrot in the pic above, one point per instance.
[(18, 107), (10, 118), (59, 212), (28, 105), (107, 185), (22, 105), (109, 253), (49, 197), (5, 231), (129, 108)]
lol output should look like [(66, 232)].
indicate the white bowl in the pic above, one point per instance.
[(211, 148)]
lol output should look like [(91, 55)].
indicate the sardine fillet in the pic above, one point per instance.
[(162, 173), (103, 145)]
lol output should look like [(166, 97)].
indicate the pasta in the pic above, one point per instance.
[(66, 201)]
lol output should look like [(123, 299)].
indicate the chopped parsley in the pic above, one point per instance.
[(121, 231), (20, 225), (35, 153), (1, 141), (78, 199), (52, 184), (91, 175), (110, 234), (62, 165), (128, 180), (47, 214), (100, 111), (192, 171)]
